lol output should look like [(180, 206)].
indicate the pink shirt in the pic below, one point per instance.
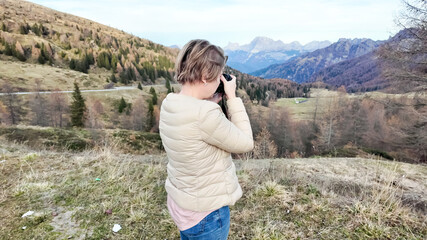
[(184, 218)]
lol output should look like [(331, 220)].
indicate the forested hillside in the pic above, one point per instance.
[(35, 34)]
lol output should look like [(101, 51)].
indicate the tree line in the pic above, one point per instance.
[(392, 127), (57, 110)]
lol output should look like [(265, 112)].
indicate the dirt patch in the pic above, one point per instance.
[(64, 223)]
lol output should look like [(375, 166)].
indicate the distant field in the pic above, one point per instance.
[(305, 110)]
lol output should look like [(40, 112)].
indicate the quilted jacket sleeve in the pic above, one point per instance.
[(233, 136)]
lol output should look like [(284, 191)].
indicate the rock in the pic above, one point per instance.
[(29, 213), (116, 228)]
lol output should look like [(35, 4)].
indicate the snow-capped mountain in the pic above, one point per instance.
[(263, 52), (301, 68)]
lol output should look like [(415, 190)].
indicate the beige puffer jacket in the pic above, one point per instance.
[(198, 140)]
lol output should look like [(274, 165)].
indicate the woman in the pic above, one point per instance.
[(199, 140)]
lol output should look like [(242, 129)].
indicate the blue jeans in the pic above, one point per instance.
[(214, 226)]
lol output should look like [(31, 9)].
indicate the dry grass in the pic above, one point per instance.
[(283, 198), (332, 199)]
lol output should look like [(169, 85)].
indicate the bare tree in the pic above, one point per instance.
[(138, 114), (330, 122), (38, 105), (94, 114), (264, 146), (280, 126), (13, 104), (3, 114), (58, 107), (404, 58), (378, 132), (255, 116), (328, 134), (352, 125)]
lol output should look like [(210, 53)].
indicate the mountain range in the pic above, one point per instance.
[(300, 69), (263, 52)]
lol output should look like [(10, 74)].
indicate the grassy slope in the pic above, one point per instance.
[(283, 198), (23, 76)]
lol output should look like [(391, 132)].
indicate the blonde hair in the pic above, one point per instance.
[(199, 60)]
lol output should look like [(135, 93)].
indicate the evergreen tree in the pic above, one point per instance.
[(258, 94), (77, 108), (168, 85), (122, 105), (43, 30), (129, 73), (44, 55), (139, 86), (41, 59), (36, 29), (3, 27), (81, 66), (150, 116), (23, 29), (154, 96), (150, 71), (8, 49), (114, 62), (124, 78), (103, 60), (107, 62), (85, 63), (18, 55), (72, 64), (113, 78), (90, 59)]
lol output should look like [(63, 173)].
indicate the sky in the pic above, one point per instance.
[(175, 22)]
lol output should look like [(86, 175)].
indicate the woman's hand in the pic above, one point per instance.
[(229, 87)]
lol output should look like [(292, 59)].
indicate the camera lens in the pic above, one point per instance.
[(220, 88), (227, 76)]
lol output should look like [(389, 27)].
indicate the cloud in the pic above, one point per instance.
[(171, 21)]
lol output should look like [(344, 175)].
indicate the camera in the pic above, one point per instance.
[(220, 88)]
